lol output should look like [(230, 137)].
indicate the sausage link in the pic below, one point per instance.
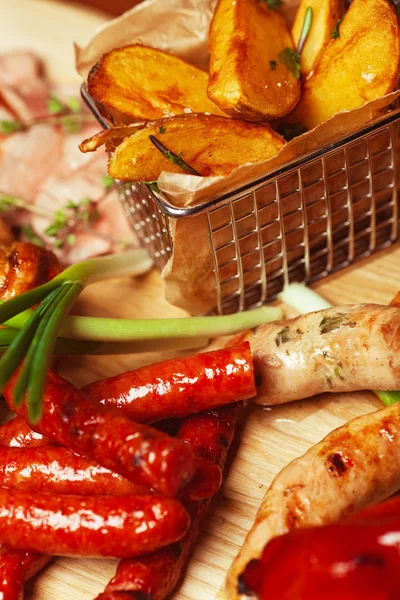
[(141, 454), (181, 386), (341, 349), (18, 434), (353, 466), (24, 266), (57, 470), (153, 577), (16, 567), (104, 526)]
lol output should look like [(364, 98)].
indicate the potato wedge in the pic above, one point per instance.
[(360, 65), (249, 76), (140, 82), (326, 14), (210, 144)]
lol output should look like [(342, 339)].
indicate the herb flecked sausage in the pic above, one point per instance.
[(104, 526), (180, 386), (141, 454), (355, 465), (342, 349)]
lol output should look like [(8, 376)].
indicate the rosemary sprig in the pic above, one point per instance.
[(291, 60), (336, 31), (175, 158), (308, 18), (273, 4)]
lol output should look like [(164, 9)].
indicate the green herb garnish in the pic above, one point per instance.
[(108, 181), (305, 30), (273, 64), (282, 336), (162, 129), (291, 60), (273, 4), (174, 158), (336, 31), (8, 127), (329, 324), (153, 186)]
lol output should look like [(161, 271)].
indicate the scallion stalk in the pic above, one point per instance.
[(39, 329), (305, 300)]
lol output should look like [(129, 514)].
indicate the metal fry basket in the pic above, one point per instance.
[(311, 217)]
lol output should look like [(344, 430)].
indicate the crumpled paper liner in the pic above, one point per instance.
[(181, 27)]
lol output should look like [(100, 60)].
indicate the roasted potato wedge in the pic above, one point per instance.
[(210, 144), (326, 14), (360, 65), (254, 74), (140, 82)]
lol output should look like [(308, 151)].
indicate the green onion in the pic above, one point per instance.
[(39, 329), (305, 300), (308, 18)]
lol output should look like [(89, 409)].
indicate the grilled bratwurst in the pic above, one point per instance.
[(342, 349), (355, 465)]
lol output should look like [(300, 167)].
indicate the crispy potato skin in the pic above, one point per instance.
[(212, 145), (357, 67), (145, 83), (244, 37), (325, 16)]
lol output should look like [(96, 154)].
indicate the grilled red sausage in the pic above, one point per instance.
[(181, 386), (18, 434), (16, 567), (155, 576), (355, 559), (57, 470), (120, 526), (141, 454)]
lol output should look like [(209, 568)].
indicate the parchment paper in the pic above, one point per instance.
[(181, 27)]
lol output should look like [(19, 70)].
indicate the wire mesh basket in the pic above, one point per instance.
[(311, 217)]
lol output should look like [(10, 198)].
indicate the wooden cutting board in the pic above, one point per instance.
[(269, 439)]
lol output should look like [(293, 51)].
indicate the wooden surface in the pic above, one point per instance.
[(269, 439)]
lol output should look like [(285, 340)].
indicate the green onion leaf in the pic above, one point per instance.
[(45, 345), (55, 105), (305, 30)]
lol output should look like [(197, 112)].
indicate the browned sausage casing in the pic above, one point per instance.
[(353, 466), (180, 386), (342, 349), (120, 526), (59, 471), (156, 575), (17, 433), (142, 454)]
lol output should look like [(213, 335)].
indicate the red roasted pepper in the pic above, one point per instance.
[(356, 559)]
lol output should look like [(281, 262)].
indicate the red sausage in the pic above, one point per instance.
[(57, 470), (156, 575), (18, 434), (16, 567), (141, 454), (106, 526), (181, 386), (356, 559)]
